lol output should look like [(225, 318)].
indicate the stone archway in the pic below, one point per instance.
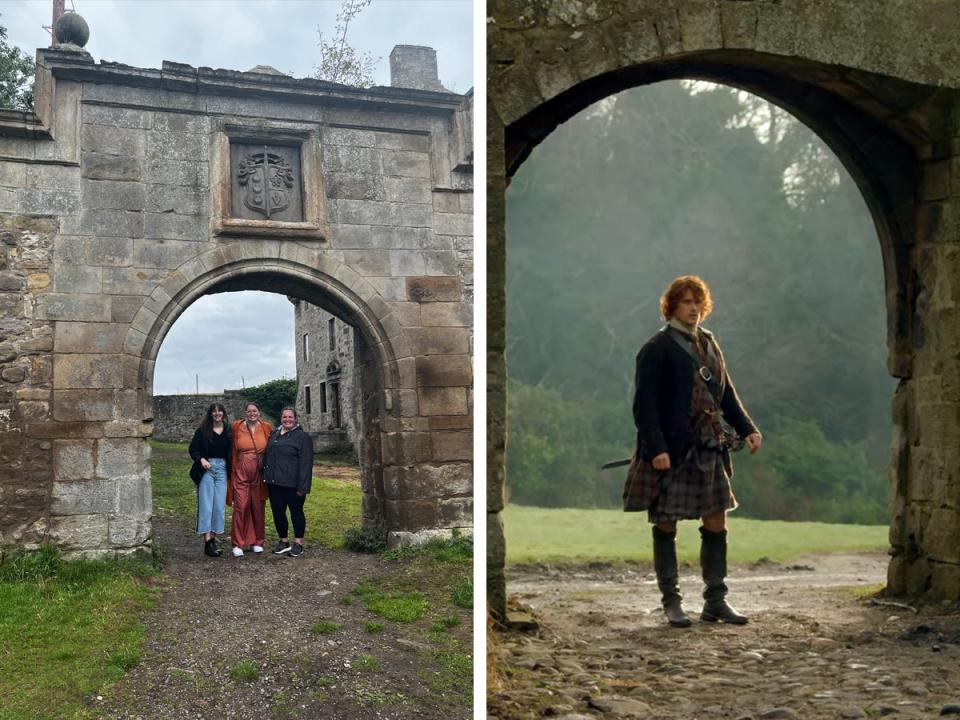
[(887, 116), (376, 364)]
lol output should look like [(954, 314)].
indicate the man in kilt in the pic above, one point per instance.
[(681, 468)]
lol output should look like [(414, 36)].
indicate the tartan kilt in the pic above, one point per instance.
[(698, 486)]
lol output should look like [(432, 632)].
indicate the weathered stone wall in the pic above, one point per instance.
[(885, 103), (314, 371), (119, 197), (176, 417)]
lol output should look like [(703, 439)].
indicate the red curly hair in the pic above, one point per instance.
[(671, 296)]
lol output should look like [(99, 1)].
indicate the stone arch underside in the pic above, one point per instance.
[(892, 135)]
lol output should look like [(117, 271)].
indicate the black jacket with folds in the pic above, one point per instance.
[(288, 460), (663, 396), (200, 447)]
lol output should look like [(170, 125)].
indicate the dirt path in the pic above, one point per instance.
[(216, 612), (815, 647)]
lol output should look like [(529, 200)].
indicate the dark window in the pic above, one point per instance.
[(306, 347), (306, 397), (333, 334), (323, 397)]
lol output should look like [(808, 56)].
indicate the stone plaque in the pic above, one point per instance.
[(266, 182)]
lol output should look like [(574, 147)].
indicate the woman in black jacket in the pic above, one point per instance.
[(287, 471), (682, 465), (210, 450)]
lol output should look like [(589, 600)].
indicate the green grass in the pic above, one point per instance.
[(366, 663), (325, 627), (372, 626), (244, 670), (331, 508), (397, 606), (576, 535), (67, 631)]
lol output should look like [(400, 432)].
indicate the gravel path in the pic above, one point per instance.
[(815, 648), (216, 612)]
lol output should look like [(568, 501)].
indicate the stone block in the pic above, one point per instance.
[(433, 289), (123, 308), (100, 251), (33, 410), (444, 370), (456, 512), (54, 202), (428, 481), (61, 306), (452, 422), (406, 448), (41, 369), (73, 460), (84, 279), (83, 497), (419, 514), (165, 254), (189, 200), (445, 202), (401, 238), (443, 401), (111, 223), (132, 281), (446, 315), (80, 532), (119, 457), (452, 446), (101, 166), (177, 146), (405, 163), (133, 495), (368, 262), (126, 142), (175, 227), (181, 173), (407, 189), (11, 283), (453, 224), (113, 195), (126, 532), (87, 371), (348, 136), (439, 341), (355, 186), (117, 117), (83, 406), (352, 159), (407, 263), (181, 123)]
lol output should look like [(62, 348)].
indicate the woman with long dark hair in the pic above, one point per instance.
[(210, 449)]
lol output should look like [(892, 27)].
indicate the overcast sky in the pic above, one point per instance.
[(207, 340)]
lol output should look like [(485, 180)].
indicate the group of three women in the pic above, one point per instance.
[(243, 464)]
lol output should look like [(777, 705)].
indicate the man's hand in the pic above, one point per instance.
[(661, 462), (754, 440)]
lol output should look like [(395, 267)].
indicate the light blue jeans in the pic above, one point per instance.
[(212, 498)]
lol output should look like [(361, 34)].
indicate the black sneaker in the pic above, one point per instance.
[(282, 548), (296, 550)]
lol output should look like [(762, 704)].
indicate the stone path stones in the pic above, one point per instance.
[(814, 648)]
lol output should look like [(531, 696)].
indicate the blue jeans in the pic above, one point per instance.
[(212, 497)]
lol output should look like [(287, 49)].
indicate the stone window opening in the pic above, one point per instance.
[(306, 347), (332, 326), (323, 397), (306, 394)]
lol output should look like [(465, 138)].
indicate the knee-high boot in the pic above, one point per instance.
[(713, 563), (665, 565)]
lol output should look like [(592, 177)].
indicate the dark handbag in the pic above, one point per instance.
[(196, 472)]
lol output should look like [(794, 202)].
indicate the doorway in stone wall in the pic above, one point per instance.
[(250, 336)]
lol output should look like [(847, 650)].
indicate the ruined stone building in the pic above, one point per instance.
[(326, 405), (130, 193)]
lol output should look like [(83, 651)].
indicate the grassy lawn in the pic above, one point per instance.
[(572, 535), (67, 629)]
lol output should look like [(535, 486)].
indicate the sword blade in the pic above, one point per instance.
[(616, 463)]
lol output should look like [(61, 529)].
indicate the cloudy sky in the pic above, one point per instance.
[(207, 341)]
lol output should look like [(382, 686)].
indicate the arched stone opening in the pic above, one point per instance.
[(376, 367), (883, 129)]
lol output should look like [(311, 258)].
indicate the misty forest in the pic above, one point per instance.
[(691, 178)]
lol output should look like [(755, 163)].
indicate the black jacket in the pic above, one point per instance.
[(200, 447), (288, 460), (661, 403)]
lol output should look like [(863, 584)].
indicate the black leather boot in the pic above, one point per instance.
[(665, 565), (713, 563), (209, 548)]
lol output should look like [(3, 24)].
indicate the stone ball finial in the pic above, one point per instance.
[(71, 29)]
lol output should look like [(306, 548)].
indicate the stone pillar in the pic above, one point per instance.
[(414, 66), (925, 474), (496, 367)]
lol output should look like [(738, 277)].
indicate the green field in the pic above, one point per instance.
[(577, 535)]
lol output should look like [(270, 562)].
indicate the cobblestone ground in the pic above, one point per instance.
[(818, 645)]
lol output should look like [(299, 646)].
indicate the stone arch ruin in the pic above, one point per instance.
[(886, 105), (131, 192)]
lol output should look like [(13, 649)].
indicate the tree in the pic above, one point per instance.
[(339, 61), (16, 76)]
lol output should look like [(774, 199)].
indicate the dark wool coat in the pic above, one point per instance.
[(662, 400), (288, 460), (200, 447)]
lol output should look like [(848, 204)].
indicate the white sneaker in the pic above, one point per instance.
[(237, 552), (257, 549)]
